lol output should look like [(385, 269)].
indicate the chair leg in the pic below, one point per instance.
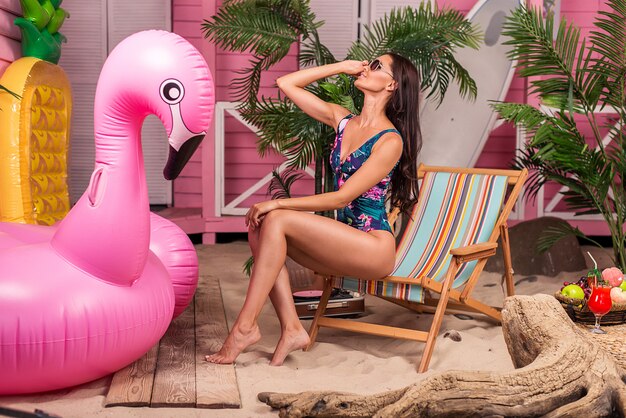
[(319, 312), (438, 318), (506, 255)]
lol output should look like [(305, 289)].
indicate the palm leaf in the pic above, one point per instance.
[(521, 114), (288, 130), (558, 61), (280, 185), (609, 43), (247, 266), (245, 87), (272, 119), (249, 25), (313, 52), (17, 96), (428, 37), (554, 234), (264, 28), (308, 141)]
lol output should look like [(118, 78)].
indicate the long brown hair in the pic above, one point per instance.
[(403, 111)]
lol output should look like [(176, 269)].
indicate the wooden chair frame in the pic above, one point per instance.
[(449, 298)]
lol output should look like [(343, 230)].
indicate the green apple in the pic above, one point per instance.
[(573, 291), (622, 285)]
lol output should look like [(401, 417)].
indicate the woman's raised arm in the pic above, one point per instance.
[(293, 85)]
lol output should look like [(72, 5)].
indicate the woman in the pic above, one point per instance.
[(370, 149)]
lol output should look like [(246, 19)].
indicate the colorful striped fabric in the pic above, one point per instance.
[(454, 210)]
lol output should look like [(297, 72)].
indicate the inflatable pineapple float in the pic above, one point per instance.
[(35, 121)]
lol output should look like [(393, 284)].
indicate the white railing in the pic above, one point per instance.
[(233, 208)]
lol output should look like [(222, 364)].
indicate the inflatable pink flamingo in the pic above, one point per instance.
[(167, 241), (85, 299)]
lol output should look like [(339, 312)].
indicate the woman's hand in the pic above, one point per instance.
[(352, 67), (257, 212)]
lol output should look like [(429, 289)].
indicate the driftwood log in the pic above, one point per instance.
[(560, 372)]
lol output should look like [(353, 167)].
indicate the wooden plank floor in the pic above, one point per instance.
[(174, 373)]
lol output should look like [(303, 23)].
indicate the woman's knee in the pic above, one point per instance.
[(276, 218), (253, 239)]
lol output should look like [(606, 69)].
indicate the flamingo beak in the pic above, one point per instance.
[(183, 143), (178, 158)]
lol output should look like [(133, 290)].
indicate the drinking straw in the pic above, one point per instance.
[(595, 268)]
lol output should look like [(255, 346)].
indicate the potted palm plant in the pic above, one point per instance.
[(574, 78), (427, 36)]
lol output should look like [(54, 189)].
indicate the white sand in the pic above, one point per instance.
[(339, 361)]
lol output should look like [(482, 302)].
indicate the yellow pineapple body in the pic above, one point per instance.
[(34, 141)]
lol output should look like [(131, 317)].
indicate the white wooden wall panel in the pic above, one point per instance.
[(341, 20), (93, 30), (125, 18), (82, 58), (378, 8)]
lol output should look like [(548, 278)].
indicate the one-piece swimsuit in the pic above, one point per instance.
[(366, 212)]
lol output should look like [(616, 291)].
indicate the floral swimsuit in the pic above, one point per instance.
[(366, 212)]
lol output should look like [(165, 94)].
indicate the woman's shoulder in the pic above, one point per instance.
[(386, 126), (389, 130), (390, 139)]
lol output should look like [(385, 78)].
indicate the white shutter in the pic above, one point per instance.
[(126, 17), (379, 8), (341, 20), (82, 58), (94, 28)]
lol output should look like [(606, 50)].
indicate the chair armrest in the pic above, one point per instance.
[(392, 217), (474, 251)]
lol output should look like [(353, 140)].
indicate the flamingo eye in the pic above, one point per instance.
[(172, 91)]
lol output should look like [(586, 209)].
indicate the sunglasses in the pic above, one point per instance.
[(377, 65)]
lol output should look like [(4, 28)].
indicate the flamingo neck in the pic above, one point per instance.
[(107, 232)]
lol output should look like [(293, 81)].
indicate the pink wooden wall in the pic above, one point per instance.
[(9, 33), (243, 167), (194, 190), (582, 13)]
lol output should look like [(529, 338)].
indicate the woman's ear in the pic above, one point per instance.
[(392, 86)]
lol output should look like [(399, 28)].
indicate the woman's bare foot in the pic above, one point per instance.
[(289, 341), (235, 343)]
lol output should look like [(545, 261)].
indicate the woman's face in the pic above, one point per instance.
[(377, 77)]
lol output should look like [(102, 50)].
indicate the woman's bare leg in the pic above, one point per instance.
[(319, 243), (293, 335)]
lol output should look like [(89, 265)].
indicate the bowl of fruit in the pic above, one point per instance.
[(574, 296)]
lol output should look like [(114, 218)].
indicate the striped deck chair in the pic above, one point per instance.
[(452, 232)]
